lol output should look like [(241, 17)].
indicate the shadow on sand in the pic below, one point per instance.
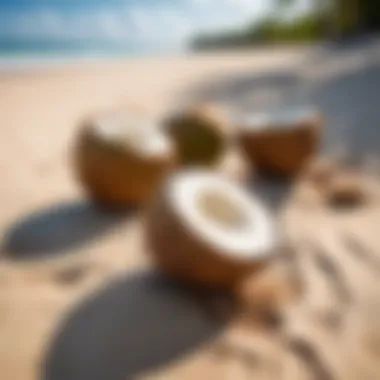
[(274, 192), (58, 229), (135, 324)]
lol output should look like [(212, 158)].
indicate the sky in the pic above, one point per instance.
[(167, 22)]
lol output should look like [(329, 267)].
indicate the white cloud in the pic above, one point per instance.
[(168, 23)]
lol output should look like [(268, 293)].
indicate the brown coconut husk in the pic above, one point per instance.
[(184, 256), (201, 134), (115, 176), (282, 150)]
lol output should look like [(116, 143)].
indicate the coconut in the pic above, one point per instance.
[(122, 160), (200, 133), (281, 143), (206, 230)]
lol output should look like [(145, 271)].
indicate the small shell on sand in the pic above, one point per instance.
[(347, 189)]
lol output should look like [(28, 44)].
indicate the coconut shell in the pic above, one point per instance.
[(183, 255), (115, 176), (200, 133), (282, 150)]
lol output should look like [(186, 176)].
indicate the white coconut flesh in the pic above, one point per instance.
[(137, 135), (221, 214), (281, 119)]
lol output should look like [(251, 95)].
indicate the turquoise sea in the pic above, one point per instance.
[(24, 54)]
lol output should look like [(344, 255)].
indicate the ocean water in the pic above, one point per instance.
[(18, 55)]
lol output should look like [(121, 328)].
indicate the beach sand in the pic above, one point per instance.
[(58, 250)]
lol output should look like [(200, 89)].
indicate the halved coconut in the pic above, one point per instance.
[(121, 160), (206, 230), (281, 143), (200, 133)]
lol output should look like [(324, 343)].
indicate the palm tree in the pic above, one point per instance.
[(342, 16)]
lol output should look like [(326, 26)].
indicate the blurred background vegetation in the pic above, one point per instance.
[(328, 19)]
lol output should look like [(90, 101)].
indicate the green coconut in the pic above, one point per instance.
[(200, 134)]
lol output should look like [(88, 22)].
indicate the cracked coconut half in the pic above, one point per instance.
[(121, 160), (206, 230), (280, 143)]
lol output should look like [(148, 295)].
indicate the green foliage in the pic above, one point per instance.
[(267, 32), (354, 16), (305, 29), (232, 38), (343, 18)]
